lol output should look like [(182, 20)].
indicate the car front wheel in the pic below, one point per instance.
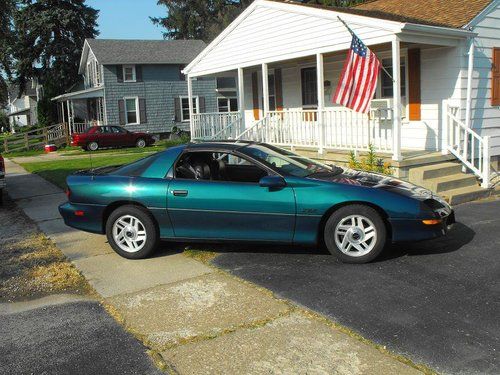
[(355, 234), (131, 232), (141, 143)]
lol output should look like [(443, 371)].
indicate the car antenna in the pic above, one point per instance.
[(90, 157)]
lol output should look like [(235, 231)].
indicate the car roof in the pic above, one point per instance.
[(229, 145)]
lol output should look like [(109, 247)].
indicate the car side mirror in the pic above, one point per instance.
[(272, 182)]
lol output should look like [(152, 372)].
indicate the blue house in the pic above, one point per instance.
[(138, 84)]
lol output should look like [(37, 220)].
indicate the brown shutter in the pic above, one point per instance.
[(278, 89), (495, 78), (119, 73), (142, 111), (414, 100), (182, 77), (255, 96), (177, 107), (138, 73), (121, 111), (201, 102)]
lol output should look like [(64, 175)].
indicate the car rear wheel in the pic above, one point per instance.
[(141, 143), (355, 234), (131, 232), (92, 146)]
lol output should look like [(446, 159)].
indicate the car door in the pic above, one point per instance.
[(105, 136), (232, 208), (121, 137)]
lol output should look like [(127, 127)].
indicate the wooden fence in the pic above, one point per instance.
[(36, 139)]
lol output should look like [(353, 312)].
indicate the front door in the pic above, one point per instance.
[(222, 199)]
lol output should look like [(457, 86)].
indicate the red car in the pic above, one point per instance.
[(110, 136)]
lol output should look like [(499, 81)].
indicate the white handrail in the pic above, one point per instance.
[(207, 125), (469, 147)]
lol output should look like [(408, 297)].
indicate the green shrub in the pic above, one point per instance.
[(370, 163)]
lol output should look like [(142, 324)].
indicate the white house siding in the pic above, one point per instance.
[(485, 118), (269, 34)]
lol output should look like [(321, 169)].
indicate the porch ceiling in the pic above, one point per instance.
[(269, 32)]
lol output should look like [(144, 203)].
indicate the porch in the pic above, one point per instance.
[(81, 109)]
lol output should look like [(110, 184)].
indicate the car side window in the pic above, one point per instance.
[(218, 166), (117, 130)]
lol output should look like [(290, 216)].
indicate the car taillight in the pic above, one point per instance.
[(68, 192)]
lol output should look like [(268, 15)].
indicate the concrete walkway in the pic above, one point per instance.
[(200, 319)]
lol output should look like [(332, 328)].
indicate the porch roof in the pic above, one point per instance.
[(270, 31), (93, 92)]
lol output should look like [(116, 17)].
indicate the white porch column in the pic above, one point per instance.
[(69, 116), (468, 104), (265, 89), (396, 124), (241, 98), (191, 109), (62, 113), (320, 78)]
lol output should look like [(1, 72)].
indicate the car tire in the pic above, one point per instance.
[(355, 234), (140, 143), (132, 232), (92, 146)]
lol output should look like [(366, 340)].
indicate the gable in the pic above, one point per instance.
[(271, 31)]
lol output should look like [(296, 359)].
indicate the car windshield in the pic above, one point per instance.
[(286, 162)]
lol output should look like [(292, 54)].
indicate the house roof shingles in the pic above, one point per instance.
[(446, 13), (450, 13), (114, 51)]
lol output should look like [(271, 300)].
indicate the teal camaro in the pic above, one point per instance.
[(247, 191)]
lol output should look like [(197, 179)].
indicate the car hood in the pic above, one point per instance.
[(376, 181)]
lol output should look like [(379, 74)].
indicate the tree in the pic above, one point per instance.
[(50, 35), (200, 19), (7, 7)]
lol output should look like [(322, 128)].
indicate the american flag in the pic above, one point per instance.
[(358, 81)]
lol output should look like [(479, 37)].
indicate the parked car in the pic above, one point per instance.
[(110, 136), (2, 178), (245, 191)]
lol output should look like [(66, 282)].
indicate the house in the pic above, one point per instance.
[(137, 84), (442, 100), (22, 109)]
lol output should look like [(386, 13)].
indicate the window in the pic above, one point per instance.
[(386, 81), (218, 166), (285, 162), (309, 87), (129, 74), (185, 107), (227, 104), (98, 80), (226, 83), (118, 130), (131, 110)]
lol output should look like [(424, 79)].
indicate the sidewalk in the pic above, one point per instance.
[(198, 318)]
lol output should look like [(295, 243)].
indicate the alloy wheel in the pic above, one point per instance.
[(355, 235), (129, 233)]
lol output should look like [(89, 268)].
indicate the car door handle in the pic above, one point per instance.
[(180, 193)]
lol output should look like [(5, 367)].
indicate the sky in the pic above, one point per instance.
[(127, 19)]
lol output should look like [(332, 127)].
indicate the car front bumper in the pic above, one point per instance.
[(85, 217), (405, 230)]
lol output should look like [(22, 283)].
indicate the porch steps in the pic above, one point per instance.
[(448, 180)]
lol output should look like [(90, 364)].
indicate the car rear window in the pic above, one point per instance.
[(137, 168)]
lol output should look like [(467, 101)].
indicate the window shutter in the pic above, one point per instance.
[(182, 77), (138, 73), (201, 102), (255, 95), (121, 111), (278, 89), (495, 78), (142, 111), (119, 73), (177, 106), (414, 100)]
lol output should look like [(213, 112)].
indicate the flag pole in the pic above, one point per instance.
[(353, 34)]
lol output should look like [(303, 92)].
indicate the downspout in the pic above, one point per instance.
[(468, 102), (470, 72)]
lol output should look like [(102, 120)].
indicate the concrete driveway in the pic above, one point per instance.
[(436, 302)]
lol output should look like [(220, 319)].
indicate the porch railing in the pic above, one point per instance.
[(79, 127), (333, 128), (469, 147), (216, 125)]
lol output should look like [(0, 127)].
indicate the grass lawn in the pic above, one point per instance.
[(56, 171)]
